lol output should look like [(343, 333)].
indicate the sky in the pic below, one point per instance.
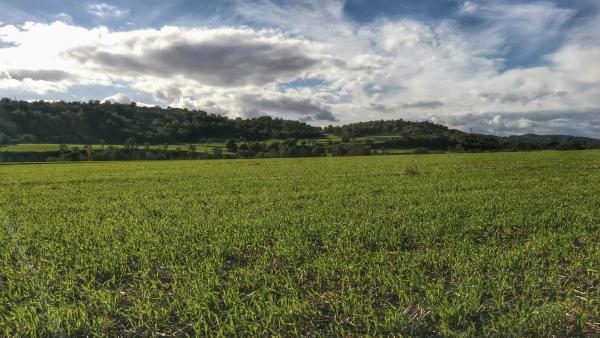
[(492, 66)]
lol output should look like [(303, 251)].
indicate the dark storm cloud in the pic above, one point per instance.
[(39, 75), (285, 105), (226, 60), (583, 122)]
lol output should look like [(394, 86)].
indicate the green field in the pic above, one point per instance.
[(37, 147), (200, 147), (42, 147), (494, 244)]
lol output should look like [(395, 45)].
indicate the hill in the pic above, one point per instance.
[(401, 133), (95, 122), (553, 140), (107, 123)]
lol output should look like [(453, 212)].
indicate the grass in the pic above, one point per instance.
[(200, 147), (39, 147), (495, 244)]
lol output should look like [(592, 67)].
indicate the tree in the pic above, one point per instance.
[(244, 150), (90, 122), (130, 144), (256, 147), (191, 148), (317, 150), (88, 151), (27, 138), (274, 145), (571, 145), (290, 142), (63, 148), (231, 145), (337, 150), (354, 149), (217, 150), (5, 139)]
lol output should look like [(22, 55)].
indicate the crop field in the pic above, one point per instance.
[(493, 244)]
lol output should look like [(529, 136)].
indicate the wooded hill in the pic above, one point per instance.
[(95, 122), (107, 123)]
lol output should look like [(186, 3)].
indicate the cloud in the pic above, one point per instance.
[(219, 57), (469, 7), (64, 17), (282, 105), (584, 122), (398, 107), (520, 97), (423, 104), (118, 98), (169, 94), (4, 44), (51, 75), (104, 10), (579, 59), (308, 60), (523, 30)]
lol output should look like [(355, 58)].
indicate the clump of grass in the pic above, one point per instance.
[(411, 170)]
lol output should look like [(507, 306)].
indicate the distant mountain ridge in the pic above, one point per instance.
[(551, 138)]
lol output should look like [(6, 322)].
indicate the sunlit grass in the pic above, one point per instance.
[(498, 244)]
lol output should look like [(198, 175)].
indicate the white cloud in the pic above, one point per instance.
[(401, 68), (584, 122), (64, 17), (217, 57), (104, 10), (469, 7), (35, 55), (117, 98), (581, 61)]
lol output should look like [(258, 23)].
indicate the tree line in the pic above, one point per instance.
[(410, 134), (234, 148), (133, 126)]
